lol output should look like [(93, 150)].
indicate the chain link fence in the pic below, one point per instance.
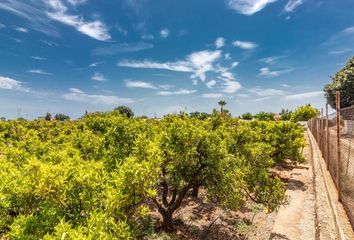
[(335, 138)]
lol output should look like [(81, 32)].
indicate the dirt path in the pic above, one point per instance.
[(297, 219)]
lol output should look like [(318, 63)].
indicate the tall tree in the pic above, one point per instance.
[(343, 81), (125, 111), (48, 117), (222, 103)]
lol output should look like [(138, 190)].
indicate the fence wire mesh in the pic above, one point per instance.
[(338, 153)]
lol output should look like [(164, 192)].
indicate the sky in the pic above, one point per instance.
[(166, 56)]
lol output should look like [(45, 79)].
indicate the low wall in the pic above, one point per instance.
[(347, 113), (348, 127)]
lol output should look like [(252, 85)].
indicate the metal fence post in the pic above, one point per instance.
[(339, 160)]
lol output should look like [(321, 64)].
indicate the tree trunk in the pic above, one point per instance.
[(195, 191), (167, 220)]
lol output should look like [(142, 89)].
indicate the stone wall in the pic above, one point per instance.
[(348, 127), (347, 113)]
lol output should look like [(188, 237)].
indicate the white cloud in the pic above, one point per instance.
[(202, 62), (338, 52), (32, 12), (234, 64), (219, 42), (178, 92), (262, 99), (285, 85), (227, 56), (98, 77), (248, 7), (121, 48), (95, 64), (2, 26), (166, 86), (39, 71), (78, 95), (212, 95), (230, 86), (266, 72), (271, 60), (12, 84), (164, 33), (76, 2), (306, 95), (139, 84), (94, 29), (179, 66), (245, 45), (211, 83), (198, 63), (242, 95), (265, 92), (21, 29), (38, 58), (292, 5), (147, 37)]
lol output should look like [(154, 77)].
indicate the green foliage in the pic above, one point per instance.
[(304, 113), (247, 116), (285, 114), (343, 81), (48, 116), (125, 111), (264, 116), (93, 178), (199, 115), (61, 117)]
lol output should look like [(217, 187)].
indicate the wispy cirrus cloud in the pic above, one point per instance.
[(40, 14), (212, 95), (292, 5), (305, 95), (341, 51), (139, 84), (248, 7), (12, 84), (178, 92), (78, 95), (94, 29), (21, 29), (39, 71), (98, 77), (38, 58), (197, 63), (265, 92), (271, 60), (267, 72), (121, 48), (244, 45)]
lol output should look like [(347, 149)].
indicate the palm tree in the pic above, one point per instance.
[(222, 103)]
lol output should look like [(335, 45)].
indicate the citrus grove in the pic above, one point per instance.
[(101, 176)]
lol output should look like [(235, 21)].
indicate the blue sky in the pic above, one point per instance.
[(165, 56)]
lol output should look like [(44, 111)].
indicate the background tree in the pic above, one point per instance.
[(3, 119), (264, 116), (285, 114), (304, 113), (125, 111), (343, 81), (48, 117), (247, 116), (222, 104), (61, 117), (199, 115)]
